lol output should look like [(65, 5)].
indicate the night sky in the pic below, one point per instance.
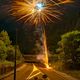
[(69, 21)]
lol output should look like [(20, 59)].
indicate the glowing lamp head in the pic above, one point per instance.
[(39, 6)]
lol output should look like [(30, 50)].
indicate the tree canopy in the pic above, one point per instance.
[(70, 46), (7, 50)]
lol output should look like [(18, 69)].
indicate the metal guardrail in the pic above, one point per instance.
[(7, 71)]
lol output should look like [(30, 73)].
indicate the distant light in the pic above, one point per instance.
[(39, 6)]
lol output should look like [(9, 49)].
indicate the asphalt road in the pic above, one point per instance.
[(21, 74), (56, 75), (26, 69)]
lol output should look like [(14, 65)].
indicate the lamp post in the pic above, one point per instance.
[(15, 56)]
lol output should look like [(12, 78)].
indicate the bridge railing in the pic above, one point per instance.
[(30, 59)]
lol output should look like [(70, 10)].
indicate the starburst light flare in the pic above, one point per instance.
[(37, 11)]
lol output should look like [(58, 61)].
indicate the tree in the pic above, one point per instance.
[(3, 50), (5, 38), (18, 53), (7, 50), (10, 53), (70, 46), (4, 42)]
